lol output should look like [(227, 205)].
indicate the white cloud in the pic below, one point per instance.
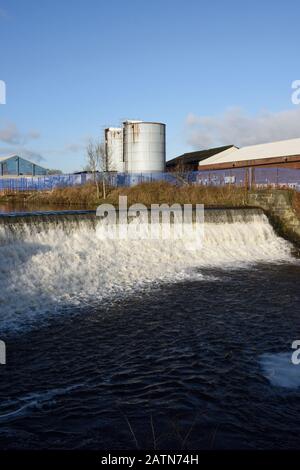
[(74, 147), (16, 142), (10, 134), (237, 127)]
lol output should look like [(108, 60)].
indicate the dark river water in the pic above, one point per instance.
[(200, 362)]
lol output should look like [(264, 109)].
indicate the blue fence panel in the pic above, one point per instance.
[(41, 183), (282, 177)]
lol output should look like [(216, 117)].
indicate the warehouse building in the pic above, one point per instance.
[(190, 161), (281, 154), (13, 165)]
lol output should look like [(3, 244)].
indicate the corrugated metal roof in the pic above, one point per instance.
[(8, 156), (194, 157), (282, 148)]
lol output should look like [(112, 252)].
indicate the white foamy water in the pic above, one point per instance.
[(45, 269), (24, 404), (280, 371)]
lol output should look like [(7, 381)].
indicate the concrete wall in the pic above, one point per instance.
[(278, 206)]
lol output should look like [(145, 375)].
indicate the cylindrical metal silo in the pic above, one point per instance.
[(114, 149), (144, 146)]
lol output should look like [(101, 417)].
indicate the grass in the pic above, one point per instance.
[(85, 195), (161, 192), (145, 193), (296, 202), (175, 432)]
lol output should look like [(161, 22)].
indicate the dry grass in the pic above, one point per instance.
[(161, 192), (296, 202), (85, 195), (145, 193)]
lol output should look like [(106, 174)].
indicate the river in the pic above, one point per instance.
[(126, 344)]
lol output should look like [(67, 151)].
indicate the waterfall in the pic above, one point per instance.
[(51, 262)]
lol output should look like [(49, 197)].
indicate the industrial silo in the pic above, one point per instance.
[(144, 146), (114, 149)]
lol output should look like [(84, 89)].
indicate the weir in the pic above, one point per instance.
[(18, 225), (56, 262), (46, 218)]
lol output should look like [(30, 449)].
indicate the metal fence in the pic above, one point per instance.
[(260, 177), (40, 183)]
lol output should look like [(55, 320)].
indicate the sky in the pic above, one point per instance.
[(216, 72)]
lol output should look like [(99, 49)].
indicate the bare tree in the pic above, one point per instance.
[(94, 161), (98, 161)]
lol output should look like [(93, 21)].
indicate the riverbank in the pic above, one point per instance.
[(149, 193), (282, 206), (145, 193)]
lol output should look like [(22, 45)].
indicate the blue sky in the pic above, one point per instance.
[(213, 71)]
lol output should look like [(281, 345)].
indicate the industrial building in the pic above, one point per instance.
[(13, 165), (281, 154), (190, 161), (113, 138), (140, 147), (137, 147)]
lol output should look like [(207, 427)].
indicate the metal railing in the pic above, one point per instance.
[(259, 177)]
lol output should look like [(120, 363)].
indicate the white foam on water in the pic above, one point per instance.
[(280, 371), (45, 269), (34, 400)]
